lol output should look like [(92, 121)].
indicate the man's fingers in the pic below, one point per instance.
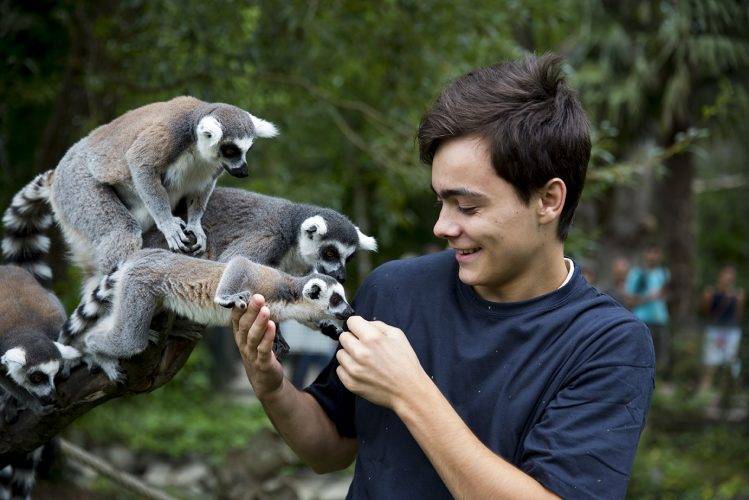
[(344, 359), (349, 342), (258, 328), (265, 347), (248, 318), (363, 329)]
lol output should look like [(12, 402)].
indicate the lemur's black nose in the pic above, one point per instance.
[(346, 314), (238, 171)]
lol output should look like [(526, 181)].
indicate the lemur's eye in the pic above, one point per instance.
[(37, 378), (230, 150), (335, 300), (330, 253)]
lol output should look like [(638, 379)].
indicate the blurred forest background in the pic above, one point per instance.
[(664, 83)]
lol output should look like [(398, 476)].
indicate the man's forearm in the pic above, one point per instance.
[(468, 468), (306, 428)]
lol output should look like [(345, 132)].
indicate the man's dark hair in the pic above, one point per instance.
[(533, 124)]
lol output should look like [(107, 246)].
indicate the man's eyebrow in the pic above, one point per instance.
[(450, 193)]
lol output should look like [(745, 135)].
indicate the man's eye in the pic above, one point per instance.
[(467, 210)]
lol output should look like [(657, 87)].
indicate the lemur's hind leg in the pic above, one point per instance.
[(126, 331), (99, 229)]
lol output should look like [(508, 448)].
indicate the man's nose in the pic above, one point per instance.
[(445, 227)]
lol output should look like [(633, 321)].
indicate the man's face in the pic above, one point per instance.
[(482, 215)]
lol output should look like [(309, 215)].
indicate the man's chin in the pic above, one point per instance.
[(468, 276)]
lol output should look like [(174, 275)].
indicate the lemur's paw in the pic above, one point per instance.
[(239, 300), (110, 367), (330, 329)]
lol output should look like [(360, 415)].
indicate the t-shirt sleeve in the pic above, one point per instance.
[(335, 399), (330, 393), (584, 444)]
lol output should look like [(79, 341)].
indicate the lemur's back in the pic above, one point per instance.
[(25, 303), (168, 273), (107, 144)]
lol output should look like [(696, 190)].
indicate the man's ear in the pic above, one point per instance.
[(550, 201)]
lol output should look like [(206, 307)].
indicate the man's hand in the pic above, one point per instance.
[(378, 363), (254, 334)]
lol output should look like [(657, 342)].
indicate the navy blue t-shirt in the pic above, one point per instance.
[(558, 385)]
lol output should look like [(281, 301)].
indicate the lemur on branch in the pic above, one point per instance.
[(129, 174), (202, 291)]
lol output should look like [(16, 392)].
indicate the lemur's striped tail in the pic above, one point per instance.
[(18, 478), (24, 224), (95, 302)]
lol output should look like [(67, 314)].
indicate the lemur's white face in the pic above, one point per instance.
[(38, 379), (327, 255), (328, 299), (230, 153)]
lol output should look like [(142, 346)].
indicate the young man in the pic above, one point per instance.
[(490, 370)]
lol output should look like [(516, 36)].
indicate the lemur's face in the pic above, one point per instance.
[(328, 300), (37, 378), (214, 145), (325, 254)]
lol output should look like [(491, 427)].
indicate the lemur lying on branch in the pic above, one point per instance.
[(200, 290)]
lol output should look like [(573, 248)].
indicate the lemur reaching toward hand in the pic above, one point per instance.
[(202, 291), (127, 175)]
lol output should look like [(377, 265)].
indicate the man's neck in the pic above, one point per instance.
[(544, 275)]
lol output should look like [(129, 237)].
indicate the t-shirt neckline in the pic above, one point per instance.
[(550, 300)]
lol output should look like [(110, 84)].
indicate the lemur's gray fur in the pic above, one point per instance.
[(202, 291), (30, 319), (295, 237), (127, 175)]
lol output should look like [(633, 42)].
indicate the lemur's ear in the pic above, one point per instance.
[(313, 288), (16, 356), (366, 242), (314, 225), (67, 352), (263, 128), (210, 129)]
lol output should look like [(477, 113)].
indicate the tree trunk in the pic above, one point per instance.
[(678, 229)]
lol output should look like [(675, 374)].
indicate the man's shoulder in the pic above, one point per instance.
[(612, 332)]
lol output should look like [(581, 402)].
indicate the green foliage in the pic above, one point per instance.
[(701, 464), (183, 418)]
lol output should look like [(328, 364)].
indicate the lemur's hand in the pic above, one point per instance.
[(254, 334), (176, 238), (201, 241)]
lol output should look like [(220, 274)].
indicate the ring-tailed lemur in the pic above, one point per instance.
[(30, 319), (294, 237), (130, 173), (202, 291)]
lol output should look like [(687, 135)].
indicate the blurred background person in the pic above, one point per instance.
[(646, 287), (723, 305), (617, 288)]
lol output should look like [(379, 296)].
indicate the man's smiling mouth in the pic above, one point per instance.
[(467, 251)]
